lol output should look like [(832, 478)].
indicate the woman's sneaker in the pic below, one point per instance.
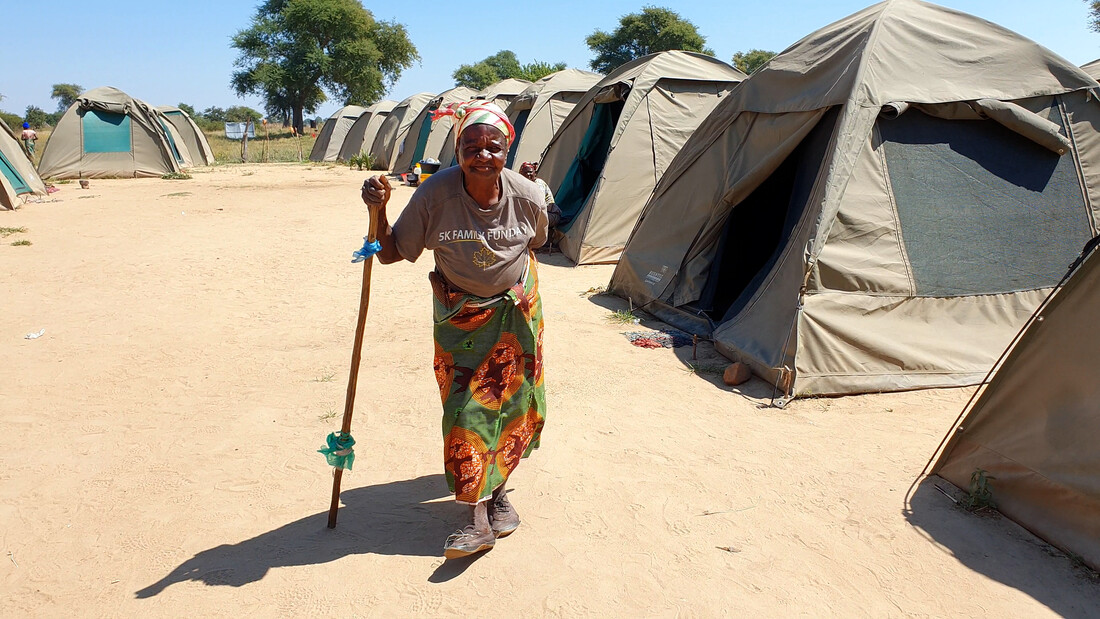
[(502, 516), (468, 541)]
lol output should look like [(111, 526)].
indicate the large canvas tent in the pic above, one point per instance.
[(539, 110), (331, 138), (880, 207), (619, 139), (1034, 428), (392, 133), (17, 174), (106, 133), (427, 137), (197, 146), (362, 132)]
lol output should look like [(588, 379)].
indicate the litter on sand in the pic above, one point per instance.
[(35, 336), (665, 338)]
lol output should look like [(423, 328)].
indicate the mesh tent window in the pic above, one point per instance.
[(172, 143), (13, 176), (982, 209), (106, 132)]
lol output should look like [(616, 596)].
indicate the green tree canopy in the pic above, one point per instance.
[(748, 62), (190, 111), (241, 113), (653, 30), (66, 95), (502, 65), (297, 50), (1094, 15), (36, 117), (215, 114)]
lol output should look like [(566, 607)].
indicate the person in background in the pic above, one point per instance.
[(530, 170), (29, 136)]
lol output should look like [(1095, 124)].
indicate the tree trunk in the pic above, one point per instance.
[(297, 108)]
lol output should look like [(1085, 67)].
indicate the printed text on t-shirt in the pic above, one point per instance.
[(452, 236)]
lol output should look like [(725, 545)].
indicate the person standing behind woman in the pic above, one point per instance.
[(530, 170), (482, 222), (29, 136)]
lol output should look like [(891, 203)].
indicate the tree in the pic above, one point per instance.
[(748, 62), (537, 70), (241, 113), (502, 65), (653, 30), (1094, 15), (187, 109), (297, 50), (214, 114), (66, 95), (476, 76), (36, 117)]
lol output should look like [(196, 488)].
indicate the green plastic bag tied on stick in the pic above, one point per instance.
[(338, 451)]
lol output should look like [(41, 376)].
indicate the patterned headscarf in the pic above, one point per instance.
[(469, 113)]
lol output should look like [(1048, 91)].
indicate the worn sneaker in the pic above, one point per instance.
[(502, 516), (468, 541)]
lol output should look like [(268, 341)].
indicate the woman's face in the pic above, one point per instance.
[(482, 151)]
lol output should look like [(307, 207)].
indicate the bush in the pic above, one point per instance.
[(13, 121)]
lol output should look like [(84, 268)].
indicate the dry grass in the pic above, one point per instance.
[(280, 146)]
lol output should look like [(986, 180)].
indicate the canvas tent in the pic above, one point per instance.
[(616, 143), (189, 132), (540, 109), (107, 133), (17, 174), (362, 132), (392, 133), (880, 207), (427, 137), (1092, 68), (504, 91), (332, 133), (501, 93), (1034, 427)]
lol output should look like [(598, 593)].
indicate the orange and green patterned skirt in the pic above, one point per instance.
[(488, 363)]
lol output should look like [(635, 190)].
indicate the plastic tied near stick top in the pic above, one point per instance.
[(368, 250), (338, 450)]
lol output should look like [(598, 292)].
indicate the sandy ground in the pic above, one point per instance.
[(157, 453)]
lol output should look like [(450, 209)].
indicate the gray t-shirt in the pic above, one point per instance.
[(483, 252)]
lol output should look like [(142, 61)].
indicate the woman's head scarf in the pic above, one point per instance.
[(26, 125), (469, 113)]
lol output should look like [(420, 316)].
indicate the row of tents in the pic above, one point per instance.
[(105, 133), (883, 206)]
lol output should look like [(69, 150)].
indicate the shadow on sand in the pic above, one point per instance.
[(398, 518), (998, 548)]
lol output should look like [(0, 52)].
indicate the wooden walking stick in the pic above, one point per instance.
[(356, 352)]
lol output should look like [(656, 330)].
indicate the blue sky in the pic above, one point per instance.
[(185, 55)]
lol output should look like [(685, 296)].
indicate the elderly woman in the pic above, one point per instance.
[(481, 221)]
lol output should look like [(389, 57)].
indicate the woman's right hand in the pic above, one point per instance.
[(376, 191)]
